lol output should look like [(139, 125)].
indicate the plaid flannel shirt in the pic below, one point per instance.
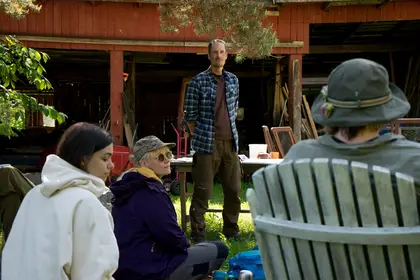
[(199, 108)]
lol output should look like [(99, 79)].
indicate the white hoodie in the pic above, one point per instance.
[(61, 230)]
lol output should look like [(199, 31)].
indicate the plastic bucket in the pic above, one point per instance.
[(255, 149)]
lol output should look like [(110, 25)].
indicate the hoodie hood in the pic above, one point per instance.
[(57, 174), (133, 180)]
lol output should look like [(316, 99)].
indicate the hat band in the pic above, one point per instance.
[(359, 103)]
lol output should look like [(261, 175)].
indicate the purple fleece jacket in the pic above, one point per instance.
[(151, 243)]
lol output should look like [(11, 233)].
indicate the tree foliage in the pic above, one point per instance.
[(239, 20), (19, 8), (18, 61)]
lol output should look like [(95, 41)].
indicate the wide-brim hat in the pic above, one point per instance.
[(149, 144), (359, 93)]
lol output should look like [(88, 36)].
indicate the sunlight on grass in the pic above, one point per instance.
[(214, 221)]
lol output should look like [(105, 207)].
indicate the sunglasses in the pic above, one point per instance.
[(161, 157)]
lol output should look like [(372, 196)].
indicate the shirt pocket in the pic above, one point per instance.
[(206, 99)]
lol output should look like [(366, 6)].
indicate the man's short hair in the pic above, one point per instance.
[(351, 132), (215, 41)]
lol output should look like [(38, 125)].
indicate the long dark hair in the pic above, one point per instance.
[(80, 141)]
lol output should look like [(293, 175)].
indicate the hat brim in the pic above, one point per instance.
[(394, 109), (169, 145)]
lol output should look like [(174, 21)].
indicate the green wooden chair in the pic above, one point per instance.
[(327, 219)]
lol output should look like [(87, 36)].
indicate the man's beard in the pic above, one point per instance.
[(218, 64)]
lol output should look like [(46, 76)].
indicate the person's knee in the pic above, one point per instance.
[(202, 191), (222, 249)]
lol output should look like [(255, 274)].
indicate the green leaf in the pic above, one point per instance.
[(17, 115), (53, 113), (45, 111), (42, 85), (61, 118), (37, 56), (45, 57), (6, 81), (37, 83), (28, 62)]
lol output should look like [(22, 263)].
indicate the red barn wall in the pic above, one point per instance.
[(111, 20)]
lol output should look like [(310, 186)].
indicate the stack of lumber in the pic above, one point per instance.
[(281, 115), (308, 124)]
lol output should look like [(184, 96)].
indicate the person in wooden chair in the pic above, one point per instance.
[(13, 188), (358, 101)]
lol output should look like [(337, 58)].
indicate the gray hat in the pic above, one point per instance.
[(359, 93), (148, 144)]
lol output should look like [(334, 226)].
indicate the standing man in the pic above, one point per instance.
[(211, 105)]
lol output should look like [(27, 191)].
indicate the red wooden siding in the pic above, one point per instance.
[(110, 20)]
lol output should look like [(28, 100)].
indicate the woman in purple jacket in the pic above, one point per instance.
[(151, 243)]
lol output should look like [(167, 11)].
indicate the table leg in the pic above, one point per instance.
[(183, 201)]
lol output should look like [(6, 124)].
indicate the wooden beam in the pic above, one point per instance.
[(143, 75), (278, 95), (314, 81), (361, 48), (330, 3), (126, 42), (269, 13), (295, 95), (117, 88)]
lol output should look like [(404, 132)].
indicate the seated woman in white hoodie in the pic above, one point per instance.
[(62, 231)]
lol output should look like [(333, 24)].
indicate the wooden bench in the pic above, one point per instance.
[(333, 219)]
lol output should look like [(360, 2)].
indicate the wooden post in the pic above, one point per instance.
[(117, 88), (391, 65), (295, 95), (278, 95)]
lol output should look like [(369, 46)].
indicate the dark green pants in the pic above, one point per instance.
[(226, 163), (9, 206), (13, 188)]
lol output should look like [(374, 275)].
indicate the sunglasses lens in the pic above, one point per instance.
[(161, 157), (168, 155)]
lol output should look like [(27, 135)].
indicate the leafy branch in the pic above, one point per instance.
[(19, 8), (17, 60), (241, 22)]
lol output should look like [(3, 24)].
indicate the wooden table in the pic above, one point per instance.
[(184, 165)]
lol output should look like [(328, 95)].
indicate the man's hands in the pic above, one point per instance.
[(188, 127), (190, 131)]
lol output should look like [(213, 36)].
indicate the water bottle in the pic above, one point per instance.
[(245, 275)]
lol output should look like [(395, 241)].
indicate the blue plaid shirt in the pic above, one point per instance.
[(199, 108)]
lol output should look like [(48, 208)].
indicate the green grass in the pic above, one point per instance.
[(214, 221)]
